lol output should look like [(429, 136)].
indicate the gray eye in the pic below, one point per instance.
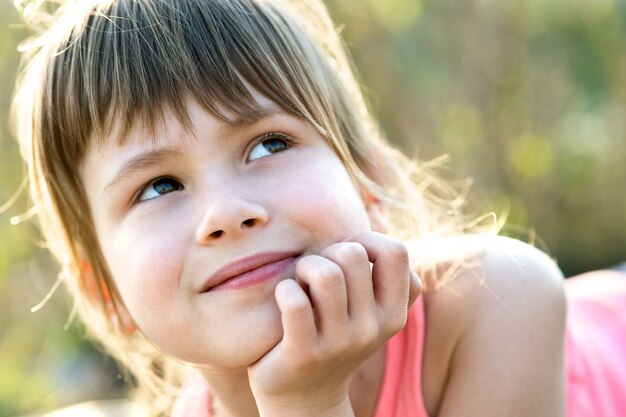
[(268, 147), (159, 187)]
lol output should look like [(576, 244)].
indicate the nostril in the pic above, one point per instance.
[(217, 234), (248, 223)]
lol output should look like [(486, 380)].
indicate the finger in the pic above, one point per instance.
[(296, 312), (327, 288), (390, 272), (354, 261), (415, 287)]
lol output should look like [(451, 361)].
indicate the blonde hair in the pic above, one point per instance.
[(125, 61)]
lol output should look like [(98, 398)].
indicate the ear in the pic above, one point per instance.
[(375, 213), (98, 292)]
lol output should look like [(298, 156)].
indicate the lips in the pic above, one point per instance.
[(249, 271)]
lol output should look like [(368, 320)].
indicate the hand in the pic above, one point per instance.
[(337, 313)]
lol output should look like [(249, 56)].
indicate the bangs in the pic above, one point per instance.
[(129, 60)]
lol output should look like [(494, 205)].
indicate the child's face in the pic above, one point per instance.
[(170, 213)]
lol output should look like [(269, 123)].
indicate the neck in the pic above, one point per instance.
[(232, 397)]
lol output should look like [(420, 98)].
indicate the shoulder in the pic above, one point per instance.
[(515, 270), (492, 270), (499, 316), (498, 279)]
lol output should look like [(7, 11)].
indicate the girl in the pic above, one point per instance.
[(220, 202)]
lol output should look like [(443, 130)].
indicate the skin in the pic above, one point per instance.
[(494, 334), (290, 345), (310, 342)]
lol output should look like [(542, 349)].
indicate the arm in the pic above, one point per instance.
[(507, 358)]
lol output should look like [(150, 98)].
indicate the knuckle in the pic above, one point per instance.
[(367, 334), (328, 275), (346, 252), (296, 308), (416, 287), (306, 263), (339, 346), (396, 321), (369, 235), (353, 253), (398, 251)]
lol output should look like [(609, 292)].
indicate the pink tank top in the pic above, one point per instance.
[(401, 394), (595, 345)]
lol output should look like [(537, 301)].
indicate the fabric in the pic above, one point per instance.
[(595, 356), (595, 345), (401, 393)]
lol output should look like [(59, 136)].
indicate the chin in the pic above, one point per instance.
[(241, 354), (256, 344), (240, 348)]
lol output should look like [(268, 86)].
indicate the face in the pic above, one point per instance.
[(198, 227)]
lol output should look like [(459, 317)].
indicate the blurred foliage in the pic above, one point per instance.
[(528, 98), (43, 363)]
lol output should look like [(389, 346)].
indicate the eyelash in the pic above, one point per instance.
[(152, 182), (265, 137), (289, 142)]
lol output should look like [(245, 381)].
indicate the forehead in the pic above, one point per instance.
[(171, 122)]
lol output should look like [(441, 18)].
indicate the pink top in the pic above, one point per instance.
[(401, 393), (595, 345), (595, 357)]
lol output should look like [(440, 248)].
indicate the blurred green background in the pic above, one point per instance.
[(528, 98)]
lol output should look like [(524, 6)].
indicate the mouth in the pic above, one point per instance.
[(251, 271)]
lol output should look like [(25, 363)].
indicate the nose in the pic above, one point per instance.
[(229, 216)]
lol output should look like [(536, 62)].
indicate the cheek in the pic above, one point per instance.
[(145, 263), (328, 203)]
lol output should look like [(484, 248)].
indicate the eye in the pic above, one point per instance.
[(159, 187), (270, 143)]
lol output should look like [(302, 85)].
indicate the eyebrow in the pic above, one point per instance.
[(141, 162), (241, 123), (148, 159)]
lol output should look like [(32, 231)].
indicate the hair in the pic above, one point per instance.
[(100, 67)]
